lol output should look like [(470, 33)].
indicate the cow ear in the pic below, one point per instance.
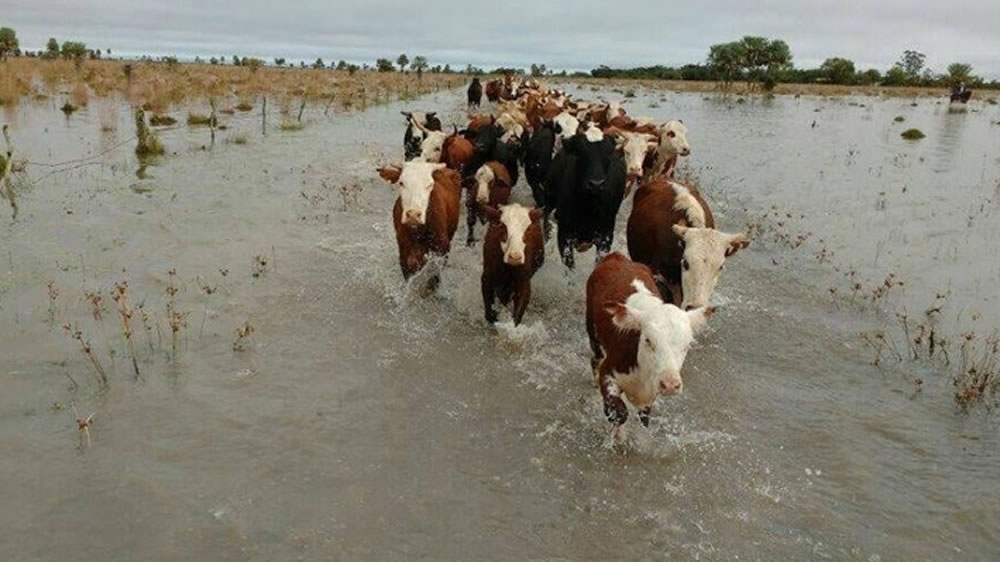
[(431, 114), (492, 213), (698, 318), (623, 317), (536, 214), (390, 173), (737, 243), (680, 230), (493, 119), (406, 114)]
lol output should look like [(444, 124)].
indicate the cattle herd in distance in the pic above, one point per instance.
[(581, 159)]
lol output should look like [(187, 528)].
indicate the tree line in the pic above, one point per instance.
[(764, 62)]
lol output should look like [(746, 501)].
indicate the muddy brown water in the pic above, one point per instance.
[(363, 422)]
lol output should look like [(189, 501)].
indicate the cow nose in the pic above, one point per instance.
[(689, 307), (414, 217), (670, 386), (515, 258), (595, 183), (686, 152)]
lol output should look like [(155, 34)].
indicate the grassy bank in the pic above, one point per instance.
[(780, 89)]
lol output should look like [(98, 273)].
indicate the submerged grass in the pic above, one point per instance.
[(912, 134)]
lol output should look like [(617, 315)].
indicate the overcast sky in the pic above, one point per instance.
[(571, 34)]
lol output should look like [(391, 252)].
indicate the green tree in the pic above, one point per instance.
[(959, 72), (51, 49), (419, 64), (213, 60), (319, 64), (895, 76), (447, 69), (870, 77), (538, 70), (838, 70), (236, 60), (402, 61), (912, 63), (279, 61), (8, 42), (74, 50), (342, 64), (384, 65), (726, 61)]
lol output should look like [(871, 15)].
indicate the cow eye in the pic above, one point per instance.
[(649, 343), (671, 134), (685, 265)]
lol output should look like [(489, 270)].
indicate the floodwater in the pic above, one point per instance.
[(360, 421)]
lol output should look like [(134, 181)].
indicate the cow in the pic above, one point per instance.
[(417, 126), (488, 146), (671, 229), (457, 152), (475, 93), (636, 148), (673, 143), (491, 186), (565, 126), (513, 251), (537, 161), (585, 187), (493, 90), (425, 215), (639, 342)]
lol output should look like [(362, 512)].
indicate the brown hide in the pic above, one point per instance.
[(438, 229), (508, 283), (651, 238), (456, 152)]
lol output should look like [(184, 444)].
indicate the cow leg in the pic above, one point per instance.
[(644, 415), (596, 349), (489, 297), (471, 208), (615, 409), (566, 249), (602, 247), (521, 298)]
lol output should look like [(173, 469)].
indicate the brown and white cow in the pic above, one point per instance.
[(491, 186), (513, 250), (639, 342), (457, 151), (493, 90), (673, 143), (672, 230), (636, 149), (425, 215)]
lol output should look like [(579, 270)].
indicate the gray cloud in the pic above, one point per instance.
[(578, 34)]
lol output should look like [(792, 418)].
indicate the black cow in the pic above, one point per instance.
[(475, 93), (585, 187), (537, 160), (489, 147), (414, 136)]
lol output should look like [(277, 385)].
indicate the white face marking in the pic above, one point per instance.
[(615, 109), (673, 139), (517, 219), (684, 201), (593, 134), (567, 125), (484, 175), (416, 181), (430, 148), (665, 336), (704, 254), (634, 146)]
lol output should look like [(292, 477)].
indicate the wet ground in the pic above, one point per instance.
[(359, 421)]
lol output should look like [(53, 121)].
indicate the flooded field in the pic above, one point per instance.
[(295, 400)]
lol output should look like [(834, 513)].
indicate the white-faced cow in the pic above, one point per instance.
[(639, 342), (417, 126), (425, 215), (672, 230), (673, 143), (513, 251)]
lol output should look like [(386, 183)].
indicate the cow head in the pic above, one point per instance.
[(673, 138), (515, 220), (430, 147), (484, 177), (665, 334), (705, 251), (565, 125), (415, 181), (634, 147), (594, 152)]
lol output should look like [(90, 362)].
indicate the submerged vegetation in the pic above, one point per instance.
[(912, 134)]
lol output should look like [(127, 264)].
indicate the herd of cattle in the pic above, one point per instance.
[(581, 160)]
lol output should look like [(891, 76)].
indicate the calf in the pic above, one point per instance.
[(585, 187), (639, 342), (512, 252), (425, 215), (491, 187), (475, 93), (673, 143), (671, 230), (635, 149), (417, 126)]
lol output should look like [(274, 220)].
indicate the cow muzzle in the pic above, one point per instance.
[(595, 184), (685, 151), (671, 386), (413, 218), (514, 258)]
